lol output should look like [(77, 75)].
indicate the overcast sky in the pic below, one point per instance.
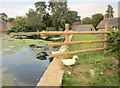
[(84, 8)]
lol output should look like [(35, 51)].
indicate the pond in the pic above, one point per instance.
[(21, 67)]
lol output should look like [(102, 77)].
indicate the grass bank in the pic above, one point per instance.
[(92, 68)]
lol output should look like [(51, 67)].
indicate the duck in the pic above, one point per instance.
[(69, 62), (55, 52)]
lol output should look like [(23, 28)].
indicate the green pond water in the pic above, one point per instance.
[(20, 67)]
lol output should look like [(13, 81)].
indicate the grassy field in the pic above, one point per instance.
[(92, 68)]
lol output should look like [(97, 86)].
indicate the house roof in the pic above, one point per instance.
[(10, 24), (2, 24), (86, 27), (112, 22)]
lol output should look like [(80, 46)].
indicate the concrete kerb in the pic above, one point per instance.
[(54, 73)]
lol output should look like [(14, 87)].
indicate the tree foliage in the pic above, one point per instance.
[(109, 12), (58, 11), (10, 19), (40, 8), (34, 21), (114, 41), (61, 14), (20, 23), (3, 16), (47, 20), (96, 18), (87, 20), (54, 15)]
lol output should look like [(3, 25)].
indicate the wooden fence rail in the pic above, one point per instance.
[(25, 33), (76, 51), (72, 32), (59, 33), (67, 43), (74, 42)]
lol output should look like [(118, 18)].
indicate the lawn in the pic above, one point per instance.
[(93, 68)]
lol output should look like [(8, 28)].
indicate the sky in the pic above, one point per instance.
[(84, 8)]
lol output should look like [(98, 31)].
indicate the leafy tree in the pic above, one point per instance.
[(87, 20), (34, 21), (59, 12), (114, 41), (21, 23), (40, 8), (47, 20), (71, 17), (10, 19), (96, 18), (43, 18), (3, 16), (109, 12)]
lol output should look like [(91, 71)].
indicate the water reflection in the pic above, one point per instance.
[(23, 68)]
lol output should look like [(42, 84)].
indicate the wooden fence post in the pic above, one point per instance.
[(105, 35), (67, 35), (66, 40)]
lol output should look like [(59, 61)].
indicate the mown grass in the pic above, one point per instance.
[(103, 65)]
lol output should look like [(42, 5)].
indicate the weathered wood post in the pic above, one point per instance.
[(67, 35), (66, 39), (105, 35)]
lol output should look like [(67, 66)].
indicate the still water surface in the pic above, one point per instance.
[(22, 68)]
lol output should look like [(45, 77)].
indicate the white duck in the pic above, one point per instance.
[(55, 52), (69, 62)]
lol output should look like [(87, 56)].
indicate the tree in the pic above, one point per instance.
[(3, 16), (21, 23), (59, 12), (40, 8), (87, 20), (96, 18), (34, 21), (41, 16), (71, 17), (10, 19), (47, 20), (109, 12)]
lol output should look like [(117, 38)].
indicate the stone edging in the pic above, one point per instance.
[(54, 73)]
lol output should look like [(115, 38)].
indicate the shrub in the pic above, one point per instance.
[(114, 41)]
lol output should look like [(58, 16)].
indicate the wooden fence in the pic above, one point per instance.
[(67, 43), (67, 33)]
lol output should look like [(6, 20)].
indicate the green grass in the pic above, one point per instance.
[(86, 45), (103, 65)]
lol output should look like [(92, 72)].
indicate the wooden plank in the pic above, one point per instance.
[(60, 32), (67, 35), (74, 42), (24, 33), (77, 51), (73, 32)]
